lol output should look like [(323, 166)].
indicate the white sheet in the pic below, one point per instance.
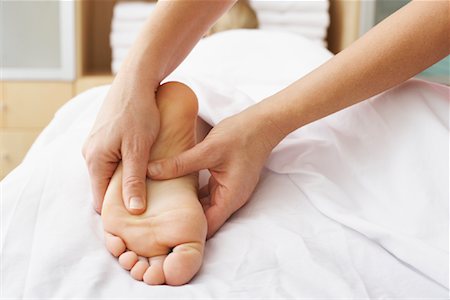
[(351, 206)]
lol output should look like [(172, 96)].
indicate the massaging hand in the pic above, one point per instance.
[(234, 151), (129, 120), (125, 129)]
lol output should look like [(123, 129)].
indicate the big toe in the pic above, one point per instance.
[(183, 263), (114, 244)]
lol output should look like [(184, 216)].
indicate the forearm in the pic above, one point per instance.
[(169, 35), (398, 48)]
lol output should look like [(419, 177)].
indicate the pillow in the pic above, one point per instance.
[(259, 62)]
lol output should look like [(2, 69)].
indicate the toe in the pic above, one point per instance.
[(154, 275), (138, 270), (128, 259), (183, 263), (114, 244)]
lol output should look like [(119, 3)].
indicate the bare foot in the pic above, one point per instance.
[(171, 233)]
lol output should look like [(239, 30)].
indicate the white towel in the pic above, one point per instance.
[(306, 18), (133, 10), (119, 25), (120, 53), (115, 66), (284, 6), (310, 19), (122, 39), (311, 33)]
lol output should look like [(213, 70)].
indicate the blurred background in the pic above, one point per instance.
[(50, 51)]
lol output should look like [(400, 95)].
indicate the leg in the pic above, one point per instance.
[(172, 231)]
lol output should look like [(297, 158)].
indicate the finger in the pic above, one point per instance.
[(192, 160), (134, 160), (219, 211), (100, 175), (99, 186)]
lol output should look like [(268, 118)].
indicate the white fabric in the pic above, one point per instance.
[(283, 6), (249, 59), (119, 54), (294, 18), (124, 26), (313, 34), (133, 10), (123, 39), (306, 18), (351, 206)]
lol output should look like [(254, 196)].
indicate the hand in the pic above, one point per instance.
[(234, 152), (125, 129)]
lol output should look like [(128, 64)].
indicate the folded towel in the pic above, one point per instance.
[(123, 39), (308, 32), (118, 25), (133, 10), (307, 18), (115, 66), (119, 53), (310, 19), (284, 6)]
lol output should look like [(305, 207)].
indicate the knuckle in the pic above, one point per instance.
[(134, 148), (133, 182), (178, 166)]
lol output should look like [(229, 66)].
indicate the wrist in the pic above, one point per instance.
[(138, 75), (265, 124)]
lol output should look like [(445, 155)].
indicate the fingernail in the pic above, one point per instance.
[(154, 169), (136, 203)]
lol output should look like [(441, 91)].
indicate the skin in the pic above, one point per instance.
[(235, 150)]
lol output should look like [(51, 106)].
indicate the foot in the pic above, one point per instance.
[(165, 244)]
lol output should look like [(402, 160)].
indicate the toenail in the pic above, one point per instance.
[(136, 203), (154, 169)]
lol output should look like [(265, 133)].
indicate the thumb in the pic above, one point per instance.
[(219, 211), (192, 160), (134, 181)]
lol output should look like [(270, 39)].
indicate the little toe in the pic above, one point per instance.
[(114, 244), (183, 263), (138, 270), (128, 259), (154, 275)]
